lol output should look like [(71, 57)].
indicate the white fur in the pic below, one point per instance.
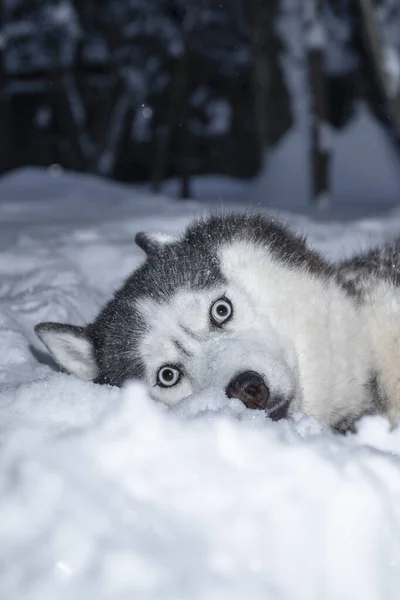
[(74, 353)]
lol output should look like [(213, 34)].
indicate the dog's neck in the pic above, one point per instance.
[(332, 344), (381, 317)]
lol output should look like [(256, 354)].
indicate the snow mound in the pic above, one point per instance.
[(149, 503), (106, 495)]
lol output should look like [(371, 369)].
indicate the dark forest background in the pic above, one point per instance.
[(142, 90)]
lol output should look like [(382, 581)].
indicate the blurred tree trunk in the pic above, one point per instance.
[(177, 108), (166, 129), (183, 144), (117, 124), (260, 31), (384, 62), (271, 97), (320, 143), (8, 149), (4, 121), (101, 148), (69, 111)]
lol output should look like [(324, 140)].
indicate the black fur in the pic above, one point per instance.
[(146, 242), (380, 263)]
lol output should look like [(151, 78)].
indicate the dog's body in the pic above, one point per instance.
[(240, 303)]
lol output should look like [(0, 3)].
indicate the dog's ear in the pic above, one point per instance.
[(70, 347), (154, 242)]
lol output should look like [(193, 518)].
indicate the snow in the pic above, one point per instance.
[(315, 37), (43, 116), (339, 57), (220, 114), (141, 124), (106, 494), (392, 68)]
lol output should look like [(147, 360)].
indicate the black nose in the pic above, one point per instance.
[(250, 388)]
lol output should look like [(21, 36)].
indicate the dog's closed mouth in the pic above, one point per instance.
[(279, 409)]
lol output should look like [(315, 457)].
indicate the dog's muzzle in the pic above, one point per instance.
[(250, 388)]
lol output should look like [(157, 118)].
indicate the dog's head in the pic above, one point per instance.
[(203, 310)]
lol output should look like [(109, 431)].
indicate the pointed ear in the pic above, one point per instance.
[(70, 347), (154, 242)]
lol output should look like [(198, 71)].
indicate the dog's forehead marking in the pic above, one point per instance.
[(190, 332), (183, 317), (181, 348)]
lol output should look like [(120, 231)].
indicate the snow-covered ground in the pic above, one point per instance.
[(104, 494)]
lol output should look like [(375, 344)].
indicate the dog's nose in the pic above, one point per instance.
[(250, 388)]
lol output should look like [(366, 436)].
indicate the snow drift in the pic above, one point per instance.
[(106, 494)]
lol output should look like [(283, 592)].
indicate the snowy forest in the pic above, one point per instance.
[(140, 90)]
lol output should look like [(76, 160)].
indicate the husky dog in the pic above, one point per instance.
[(239, 302)]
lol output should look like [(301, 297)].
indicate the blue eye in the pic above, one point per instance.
[(168, 376), (221, 311)]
